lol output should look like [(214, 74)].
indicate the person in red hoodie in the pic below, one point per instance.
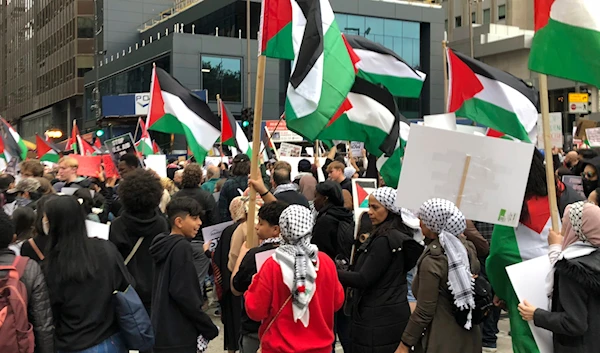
[(296, 292)]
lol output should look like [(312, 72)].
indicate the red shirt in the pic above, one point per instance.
[(266, 295)]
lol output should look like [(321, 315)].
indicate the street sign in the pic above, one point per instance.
[(578, 98)]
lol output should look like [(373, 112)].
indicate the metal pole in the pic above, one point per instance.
[(248, 77), (470, 29), (96, 90)]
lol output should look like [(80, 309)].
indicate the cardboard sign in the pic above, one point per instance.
[(556, 133), (212, 234), (89, 166), (97, 230), (494, 183), (157, 163), (361, 189), (529, 281), (289, 150), (120, 146), (576, 182), (262, 257), (110, 169)]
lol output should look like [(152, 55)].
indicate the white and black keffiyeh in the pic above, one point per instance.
[(443, 217), (284, 188), (201, 344), (387, 197), (576, 218), (298, 258)]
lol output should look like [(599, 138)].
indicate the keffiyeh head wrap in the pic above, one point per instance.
[(238, 208), (443, 217), (297, 258), (387, 197)]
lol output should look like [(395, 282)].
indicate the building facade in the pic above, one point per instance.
[(204, 46)]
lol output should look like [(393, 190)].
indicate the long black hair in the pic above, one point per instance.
[(40, 209), (536, 182), (24, 220), (70, 256)]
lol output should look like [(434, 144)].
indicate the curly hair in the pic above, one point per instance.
[(192, 176), (140, 192)]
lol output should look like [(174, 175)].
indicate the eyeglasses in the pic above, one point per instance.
[(588, 175)]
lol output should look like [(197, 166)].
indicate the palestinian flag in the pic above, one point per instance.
[(144, 145), (363, 196), (45, 152), (231, 132), (13, 143), (155, 147), (275, 35), (514, 245), (84, 147), (176, 110), (98, 144), (373, 119), (322, 73), (389, 166), (567, 40), (267, 145), (383, 66), (492, 97), (72, 142)]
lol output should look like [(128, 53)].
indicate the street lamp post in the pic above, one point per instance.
[(97, 57)]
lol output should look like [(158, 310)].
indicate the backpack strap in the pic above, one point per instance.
[(37, 250), (134, 250)]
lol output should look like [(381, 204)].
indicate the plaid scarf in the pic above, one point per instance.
[(443, 217), (298, 259)]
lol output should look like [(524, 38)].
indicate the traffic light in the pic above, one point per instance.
[(100, 133), (248, 122)]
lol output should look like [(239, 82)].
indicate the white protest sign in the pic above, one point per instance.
[(262, 257), (495, 179), (441, 121), (212, 234), (361, 189), (293, 161), (356, 148), (97, 230), (529, 281), (556, 133), (290, 150), (593, 136), (157, 163), (310, 151), (214, 160), (68, 191)]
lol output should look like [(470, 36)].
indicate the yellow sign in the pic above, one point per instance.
[(578, 98)]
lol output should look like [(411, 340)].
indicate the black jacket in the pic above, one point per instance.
[(177, 315), (41, 241), (574, 318), (39, 310), (210, 215), (380, 309), (124, 233), (326, 227), (84, 312), (292, 197), (229, 191)]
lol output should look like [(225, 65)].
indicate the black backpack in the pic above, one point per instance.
[(484, 301), (345, 239)]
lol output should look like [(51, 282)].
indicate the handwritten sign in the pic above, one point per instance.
[(556, 133), (356, 148), (212, 234), (290, 150), (120, 146)]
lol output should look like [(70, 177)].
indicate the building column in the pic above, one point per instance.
[(595, 98)]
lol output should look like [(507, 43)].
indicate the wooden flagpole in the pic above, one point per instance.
[(251, 238), (548, 152), (137, 127), (445, 65), (220, 113)]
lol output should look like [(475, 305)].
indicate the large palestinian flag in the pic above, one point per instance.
[(231, 132), (323, 71), (176, 110), (567, 40), (275, 35), (514, 245), (13, 143), (389, 166), (492, 97), (45, 152), (383, 66), (373, 119)]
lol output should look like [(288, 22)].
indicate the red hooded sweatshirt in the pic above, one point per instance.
[(266, 295)]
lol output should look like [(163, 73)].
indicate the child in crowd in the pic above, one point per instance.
[(177, 315)]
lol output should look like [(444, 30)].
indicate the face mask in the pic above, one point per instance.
[(589, 186), (46, 227)]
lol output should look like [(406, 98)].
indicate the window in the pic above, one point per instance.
[(85, 27), (222, 76), (446, 25), (473, 17), (486, 16), (501, 12), (458, 22)]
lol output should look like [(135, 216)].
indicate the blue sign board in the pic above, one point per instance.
[(133, 104)]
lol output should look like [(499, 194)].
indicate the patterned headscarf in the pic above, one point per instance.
[(387, 197), (581, 222), (238, 208), (298, 259), (443, 217)]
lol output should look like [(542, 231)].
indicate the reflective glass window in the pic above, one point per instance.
[(221, 75)]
